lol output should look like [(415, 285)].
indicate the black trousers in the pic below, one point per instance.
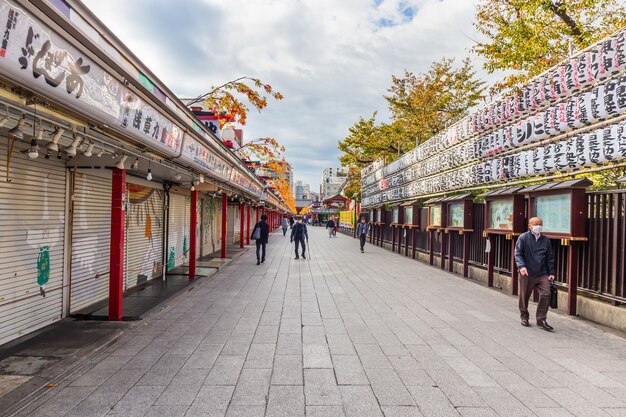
[(300, 241), (260, 247), (362, 238)]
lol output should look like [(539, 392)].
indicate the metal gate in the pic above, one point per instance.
[(178, 230), (32, 237), (144, 234), (91, 236)]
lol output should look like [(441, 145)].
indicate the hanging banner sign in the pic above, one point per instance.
[(34, 55), (244, 182), (199, 155)]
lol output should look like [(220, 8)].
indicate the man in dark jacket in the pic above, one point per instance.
[(535, 260), (330, 226), (361, 232), (264, 235), (299, 233)]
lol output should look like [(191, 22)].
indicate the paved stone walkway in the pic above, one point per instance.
[(346, 334)]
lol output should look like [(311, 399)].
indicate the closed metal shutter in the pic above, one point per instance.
[(178, 231), (144, 235), (32, 241), (91, 236), (210, 240)]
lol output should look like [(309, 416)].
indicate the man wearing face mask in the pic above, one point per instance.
[(535, 261)]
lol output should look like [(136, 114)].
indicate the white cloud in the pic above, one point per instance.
[(333, 60)]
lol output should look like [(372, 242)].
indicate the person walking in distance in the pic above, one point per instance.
[(535, 260), (261, 234), (330, 226), (361, 231), (285, 225), (299, 233)]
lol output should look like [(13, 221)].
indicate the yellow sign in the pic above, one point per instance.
[(346, 219)]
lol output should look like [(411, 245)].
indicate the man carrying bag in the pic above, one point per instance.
[(261, 234)]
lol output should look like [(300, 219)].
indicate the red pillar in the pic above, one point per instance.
[(242, 215), (224, 214), (192, 234), (572, 278), (116, 255), (248, 228)]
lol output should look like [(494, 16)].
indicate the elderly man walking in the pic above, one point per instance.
[(535, 260)]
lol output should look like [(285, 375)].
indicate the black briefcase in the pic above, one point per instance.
[(554, 296)]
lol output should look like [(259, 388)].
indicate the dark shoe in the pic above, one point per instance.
[(262, 260), (525, 323), (545, 326), (258, 262), (303, 257), (297, 257), (362, 251)]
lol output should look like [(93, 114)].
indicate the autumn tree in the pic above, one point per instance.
[(530, 36), (421, 106)]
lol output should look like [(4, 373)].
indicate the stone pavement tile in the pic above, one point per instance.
[(372, 356), (552, 412), (270, 318), (432, 402), (482, 359), (252, 387), (394, 349), (579, 368), (266, 334), (320, 387), (83, 410), (63, 402), (409, 371), (401, 411), (260, 356), (287, 370), (285, 401), (313, 335), (166, 411), (291, 312), (359, 401), (528, 394), (246, 325), (225, 371), (238, 344), (455, 388), (290, 325), (330, 312), (426, 357), (476, 412), (503, 402), (472, 374), (289, 344), (360, 334), (334, 326), (600, 397), (204, 356), (340, 344), (388, 387), (158, 376), (137, 401), (324, 411), (311, 319), (349, 371), (574, 403), (183, 388), (316, 356), (211, 401)]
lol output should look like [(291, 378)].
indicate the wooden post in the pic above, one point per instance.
[(432, 247), (450, 252), (466, 254), (514, 274), (491, 261), (572, 277), (192, 234), (393, 238), (413, 241), (224, 214), (443, 249), (116, 247)]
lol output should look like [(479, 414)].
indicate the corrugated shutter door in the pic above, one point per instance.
[(91, 236), (144, 235), (178, 231), (210, 225), (32, 219)]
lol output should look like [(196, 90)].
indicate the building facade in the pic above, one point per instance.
[(332, 180)]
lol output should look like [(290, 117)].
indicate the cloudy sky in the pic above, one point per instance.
[(332, 60)]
